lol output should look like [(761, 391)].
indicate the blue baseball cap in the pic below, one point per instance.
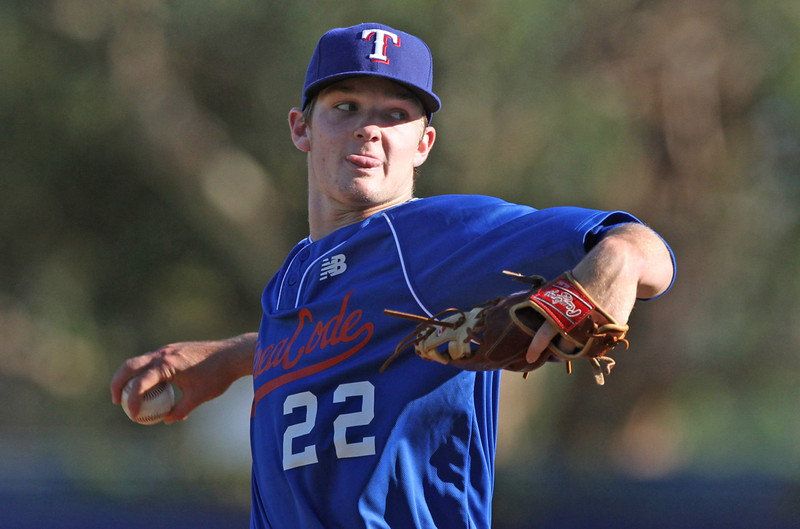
[(372, 50)]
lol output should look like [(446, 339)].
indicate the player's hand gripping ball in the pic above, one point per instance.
[(496, 334), (156, 403)]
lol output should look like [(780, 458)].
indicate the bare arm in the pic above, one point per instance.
[(202, 371), (630, 262)]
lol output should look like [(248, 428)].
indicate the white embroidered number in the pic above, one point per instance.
[(365, 447), (308, 455)]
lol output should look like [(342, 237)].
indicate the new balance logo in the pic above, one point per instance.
[(332, 266)]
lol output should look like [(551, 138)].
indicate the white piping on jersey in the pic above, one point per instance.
[(308, 268), (305, 273), (403, 266), (283, 280)]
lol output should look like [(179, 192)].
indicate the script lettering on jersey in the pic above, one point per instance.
[(311, 336)]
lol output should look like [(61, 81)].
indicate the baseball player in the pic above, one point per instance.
[(336, 442)]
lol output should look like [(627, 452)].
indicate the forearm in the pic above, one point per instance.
[(630, 262), (240, 354), (202, 370)]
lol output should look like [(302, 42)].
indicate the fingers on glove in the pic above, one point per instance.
[(546, 333)]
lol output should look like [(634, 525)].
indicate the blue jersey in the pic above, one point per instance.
[(338, 444)]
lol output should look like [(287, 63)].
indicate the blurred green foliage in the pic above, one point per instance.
[(149, 189)]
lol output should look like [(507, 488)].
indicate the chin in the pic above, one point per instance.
[(363, 193)]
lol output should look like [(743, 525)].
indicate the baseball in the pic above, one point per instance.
[(156, 403)]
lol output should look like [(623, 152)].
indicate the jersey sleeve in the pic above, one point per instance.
[(473, 241)]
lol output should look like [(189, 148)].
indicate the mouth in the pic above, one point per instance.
[(364, 162)]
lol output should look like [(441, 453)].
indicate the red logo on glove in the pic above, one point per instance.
[(564, 303)]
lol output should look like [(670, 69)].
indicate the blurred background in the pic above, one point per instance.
[(149, 189)]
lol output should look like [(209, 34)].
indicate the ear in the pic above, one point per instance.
[(299, 130), (425, 146)]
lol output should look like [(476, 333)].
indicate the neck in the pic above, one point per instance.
[(324, 219)]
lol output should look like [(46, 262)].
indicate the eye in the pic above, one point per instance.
[(398, 115), (345, 107)]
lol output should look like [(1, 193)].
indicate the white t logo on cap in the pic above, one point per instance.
[(382, 39)]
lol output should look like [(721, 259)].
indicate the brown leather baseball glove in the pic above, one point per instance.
[(496, 334)]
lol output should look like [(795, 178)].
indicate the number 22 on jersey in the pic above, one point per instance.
[(294, 457)]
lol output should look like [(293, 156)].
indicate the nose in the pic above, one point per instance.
[(368, 131)]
